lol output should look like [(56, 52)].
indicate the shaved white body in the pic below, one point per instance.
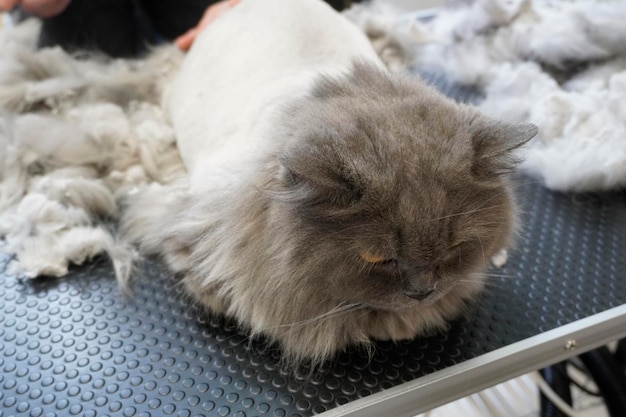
[(223, 99)]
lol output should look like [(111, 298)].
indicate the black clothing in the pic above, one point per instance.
[(126, 28)]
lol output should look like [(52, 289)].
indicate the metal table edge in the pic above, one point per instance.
[(473, 375)]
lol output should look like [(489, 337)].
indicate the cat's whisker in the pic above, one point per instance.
[(341, 309), (479, 209), (490, 223), (318, 322), (500, 276), (482, 249), (463, 213), (486, 283), (359, 307), (527, 181)]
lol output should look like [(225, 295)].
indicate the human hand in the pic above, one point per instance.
[(214, 11), (39, 8)]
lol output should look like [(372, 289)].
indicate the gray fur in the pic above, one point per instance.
[(366, 163)]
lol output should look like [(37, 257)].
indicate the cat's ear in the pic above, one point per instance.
[(495, 143), (311, 181)]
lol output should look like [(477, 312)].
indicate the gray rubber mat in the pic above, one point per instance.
[(77, 347)]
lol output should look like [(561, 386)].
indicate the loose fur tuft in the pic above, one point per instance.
[(560, 65), (76, 135)]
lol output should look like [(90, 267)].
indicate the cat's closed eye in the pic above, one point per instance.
[(456, 246), (387, 262), (380, 262), (374, 258)]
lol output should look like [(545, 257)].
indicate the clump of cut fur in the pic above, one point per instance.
[(393, 35), (557, 64), (76, 134)]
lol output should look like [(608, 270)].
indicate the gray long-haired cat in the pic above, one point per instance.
[(328, 203)]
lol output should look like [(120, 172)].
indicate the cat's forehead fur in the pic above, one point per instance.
[(387, 136)]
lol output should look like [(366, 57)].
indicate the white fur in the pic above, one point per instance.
[(499, 46), (75, 136), (216, 119)]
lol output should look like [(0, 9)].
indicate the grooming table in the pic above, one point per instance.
[(77, 347)]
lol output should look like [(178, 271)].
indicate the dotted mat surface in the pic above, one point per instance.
[(77, 347)]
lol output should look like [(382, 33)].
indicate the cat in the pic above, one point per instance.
[(328, 202)]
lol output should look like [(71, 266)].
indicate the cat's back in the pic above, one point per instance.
[(246, 64)]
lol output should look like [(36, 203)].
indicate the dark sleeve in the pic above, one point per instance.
[(124, 28), (104, 25), (172, 18)]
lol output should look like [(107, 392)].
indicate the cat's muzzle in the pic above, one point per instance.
[(419, 295), (419, 281)]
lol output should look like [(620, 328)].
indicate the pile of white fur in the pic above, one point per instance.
[(558, 64), (76, 135)]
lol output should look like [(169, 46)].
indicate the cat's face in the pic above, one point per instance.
[(395, 210)]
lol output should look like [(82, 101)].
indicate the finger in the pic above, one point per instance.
[(7, 5), (214, 11), (185, 40), (44, 8)]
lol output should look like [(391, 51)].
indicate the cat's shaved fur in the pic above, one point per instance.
[(364, 205)]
